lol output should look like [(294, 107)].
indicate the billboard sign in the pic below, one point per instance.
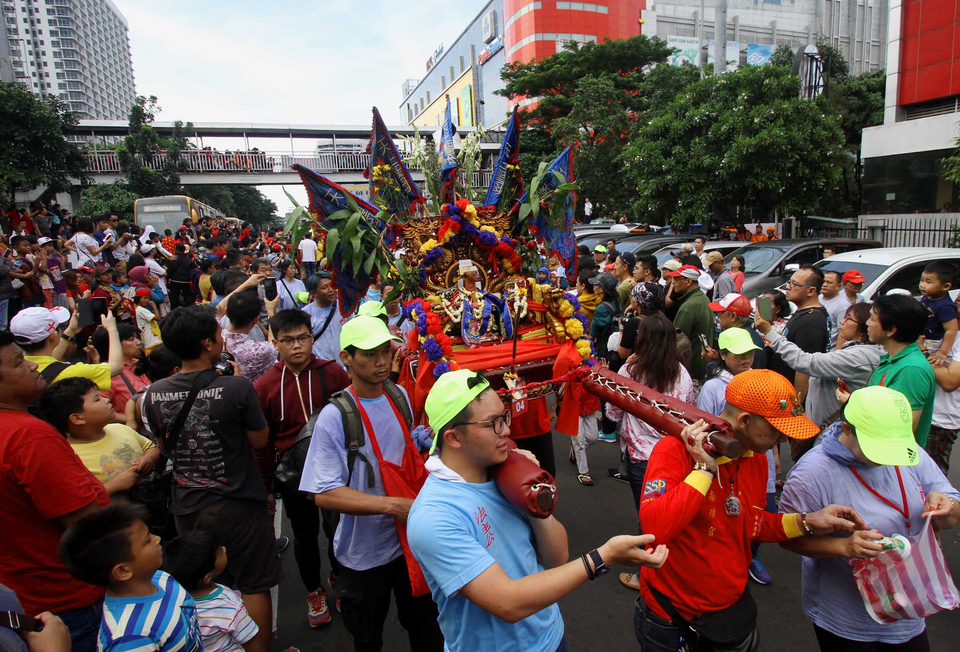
[(733, 54), (435, 58), (492, 48), (759, 54), (689, 50)]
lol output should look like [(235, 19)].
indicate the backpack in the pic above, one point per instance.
[(353, 427), (290, 463), (49, 374), (604, 335)]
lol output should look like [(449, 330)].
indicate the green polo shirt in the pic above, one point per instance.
[(909, 373)]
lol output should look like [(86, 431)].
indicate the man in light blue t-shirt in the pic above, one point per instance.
[(325, 317), (475, 547)]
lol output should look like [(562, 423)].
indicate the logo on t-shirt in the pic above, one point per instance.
[(654, 488)]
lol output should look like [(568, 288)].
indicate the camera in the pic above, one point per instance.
[(224, 366)]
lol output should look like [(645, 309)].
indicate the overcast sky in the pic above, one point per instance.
[(322, 62)]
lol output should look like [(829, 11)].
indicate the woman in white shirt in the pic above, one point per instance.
[(149, 252), (87, 248), (289, 285)]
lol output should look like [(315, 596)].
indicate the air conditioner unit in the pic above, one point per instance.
[(489, 26)]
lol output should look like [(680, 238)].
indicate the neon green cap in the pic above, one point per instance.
[(736, 340), (600, 249), (365, 333), (883, 420), (372, 309), (452, 392), (303, 297)]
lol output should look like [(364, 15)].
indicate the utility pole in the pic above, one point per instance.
[(720, 38)]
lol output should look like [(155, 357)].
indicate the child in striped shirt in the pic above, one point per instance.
[(196, 559)]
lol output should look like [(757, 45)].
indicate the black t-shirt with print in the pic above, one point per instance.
[(213, 458)]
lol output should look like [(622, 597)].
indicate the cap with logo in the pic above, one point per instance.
[(43, 241), (452, 392), (853, 276), (883, 420), (768, 394), (365, 333), (736, 340), (372, 309), (686, 271), (735, 303), (32, 325)]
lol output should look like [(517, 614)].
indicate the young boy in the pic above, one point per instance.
[(114, 453), (146, 314), (936, 281), (145, 608), (195, 560)]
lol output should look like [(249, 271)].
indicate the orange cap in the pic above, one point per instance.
[(768, 394)]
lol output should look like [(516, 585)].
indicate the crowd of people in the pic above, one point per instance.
[(164, 394)]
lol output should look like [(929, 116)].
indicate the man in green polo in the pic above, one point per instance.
[(895, 323)]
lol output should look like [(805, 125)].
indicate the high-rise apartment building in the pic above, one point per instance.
[(77, 50)]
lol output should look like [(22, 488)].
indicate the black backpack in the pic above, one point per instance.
[(49, 374)]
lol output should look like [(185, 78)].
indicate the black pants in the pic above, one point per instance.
[(305, 520), (542, 447), (365, 601), (830, 642), (181, 294)]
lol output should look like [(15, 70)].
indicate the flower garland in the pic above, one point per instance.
[(575, 325), (428, 333)]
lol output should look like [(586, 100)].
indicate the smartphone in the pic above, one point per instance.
[(703, 341), (270, 289), (765, 307), (84, 312), (843, 386)]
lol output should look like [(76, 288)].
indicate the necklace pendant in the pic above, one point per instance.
[(732, 505)]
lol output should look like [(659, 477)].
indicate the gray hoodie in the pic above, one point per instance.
[(853, 364)]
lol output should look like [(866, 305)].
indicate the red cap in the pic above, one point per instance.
[(277, 247), (143, 292), (687, 271), (853, 276), (183, 227), (735, 303)]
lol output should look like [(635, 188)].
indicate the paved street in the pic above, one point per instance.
[(599, 615)]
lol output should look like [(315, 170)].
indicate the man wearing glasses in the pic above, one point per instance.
[(292, 391), (372, 487), (478, 552), (809, 329)]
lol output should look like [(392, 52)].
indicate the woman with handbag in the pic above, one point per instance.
[(872, 461)]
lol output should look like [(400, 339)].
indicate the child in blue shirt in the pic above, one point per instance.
[(936, 281), (144, 609)]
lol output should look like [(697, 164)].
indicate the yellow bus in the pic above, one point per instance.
[(170, 211)]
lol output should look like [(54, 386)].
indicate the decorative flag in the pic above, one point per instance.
[(559, 238), (509, 155), (326, 198), (383, 152), (448, 160)]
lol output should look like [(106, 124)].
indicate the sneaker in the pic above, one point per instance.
[(616, 475), (758, 573), (282, 544), (609, 438), (317, 611)]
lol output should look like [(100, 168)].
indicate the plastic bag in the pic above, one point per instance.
[(895, 586)]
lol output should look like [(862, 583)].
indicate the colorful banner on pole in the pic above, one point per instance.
[(560, 238), (383, 152), (759, 54), (448, 159), (689, 47), (509, 155)]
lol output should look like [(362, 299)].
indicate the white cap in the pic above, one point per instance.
[(147, 248), (33, 325), (43, 241)]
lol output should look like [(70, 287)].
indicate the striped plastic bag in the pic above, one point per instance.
[(896, 585)]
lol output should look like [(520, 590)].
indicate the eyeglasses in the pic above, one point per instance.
[(497, 422), (847, 318), (290, 341), (793, 284)]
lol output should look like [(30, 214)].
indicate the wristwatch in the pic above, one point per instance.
[(599, 568), (701, 466)]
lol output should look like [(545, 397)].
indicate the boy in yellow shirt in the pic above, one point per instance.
[(113, 452)]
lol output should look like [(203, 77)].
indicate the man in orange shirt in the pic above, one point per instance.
[(758, 236), (708, 511)]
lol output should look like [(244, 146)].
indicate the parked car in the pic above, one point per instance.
[(770, 264), (889, 268), (723, 246), (592, 239), (642, 244)]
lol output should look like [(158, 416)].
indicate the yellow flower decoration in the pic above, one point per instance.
[(566, 309), (428, 245), (446, 236), (574, 328), (491, 230), (470, 212), (583, 348)]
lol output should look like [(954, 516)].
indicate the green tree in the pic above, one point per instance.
[(741, 140), (244, 202), (33, 151), (113, 197), (143, 144)]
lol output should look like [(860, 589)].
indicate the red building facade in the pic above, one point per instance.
[(930, 50), (537, 29)]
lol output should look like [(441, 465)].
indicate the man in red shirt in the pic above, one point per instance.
[(44, 488), (708, 511)]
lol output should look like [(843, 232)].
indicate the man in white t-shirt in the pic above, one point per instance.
[(587, 209), (945, 425), (835, 301), (308, 255)]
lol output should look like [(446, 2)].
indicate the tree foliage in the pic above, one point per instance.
[(107, 198), (743, 139), (245, 202), (33, 151), (143, 144)]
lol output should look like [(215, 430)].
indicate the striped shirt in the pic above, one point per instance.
[(224, 622), (165, 621)]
